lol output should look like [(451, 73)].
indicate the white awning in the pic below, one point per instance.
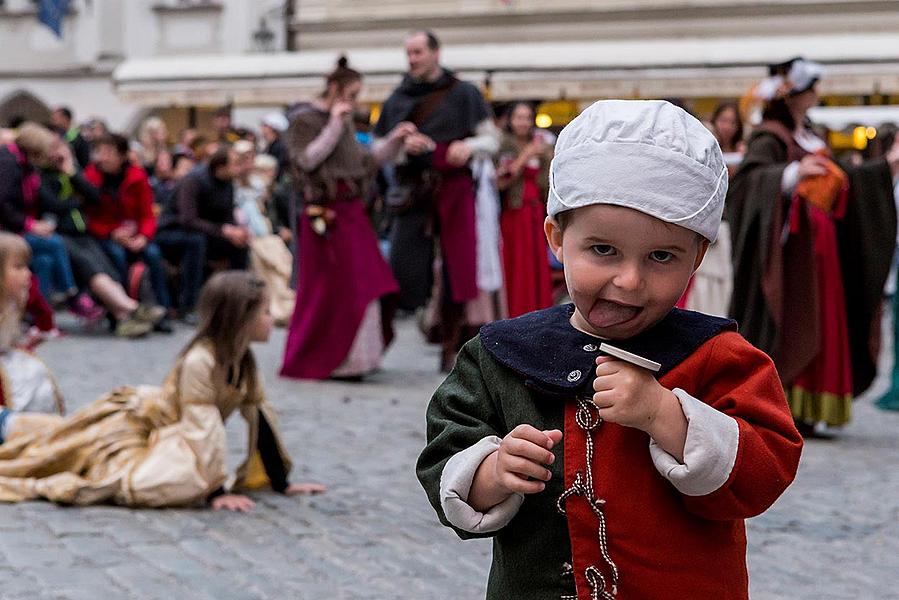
[(837, 118), (689, 67)]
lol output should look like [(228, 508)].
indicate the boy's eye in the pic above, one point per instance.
[(603, 249), (661, 256)]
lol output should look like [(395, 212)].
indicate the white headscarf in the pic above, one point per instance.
[(648, 155)]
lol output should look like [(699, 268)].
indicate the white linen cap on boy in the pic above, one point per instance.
[(648, 155)]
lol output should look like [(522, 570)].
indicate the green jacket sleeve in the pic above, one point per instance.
[(462, 412)]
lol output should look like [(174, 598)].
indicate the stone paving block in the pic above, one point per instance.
[(145, 582), (54, 578), (16, 583), (97, 549), (215, 554)]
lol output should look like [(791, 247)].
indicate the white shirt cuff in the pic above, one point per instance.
[(486, 139), (455, 484), (790, 178), (709, 453)]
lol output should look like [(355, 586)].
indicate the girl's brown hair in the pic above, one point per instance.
[(228, 305), (11, 246), (343, 75)]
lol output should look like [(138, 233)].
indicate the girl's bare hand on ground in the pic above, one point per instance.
[(301, 489), (233, 502)]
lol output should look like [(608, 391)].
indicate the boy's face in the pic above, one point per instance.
[(624, 269)]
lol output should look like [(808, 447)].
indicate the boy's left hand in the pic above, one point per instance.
[(627, 394)]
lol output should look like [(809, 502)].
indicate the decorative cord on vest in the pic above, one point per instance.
[(588, 419)]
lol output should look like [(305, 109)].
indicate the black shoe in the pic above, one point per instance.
[(164, 326), (190, 319)]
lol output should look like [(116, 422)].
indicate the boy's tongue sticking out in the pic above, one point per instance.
[(608, 313)]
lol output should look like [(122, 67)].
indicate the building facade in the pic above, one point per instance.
[(40, 71), (181, 58)]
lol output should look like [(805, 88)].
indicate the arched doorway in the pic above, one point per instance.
[(22, 105)]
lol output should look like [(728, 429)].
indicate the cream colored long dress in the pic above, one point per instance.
[(143, 447)]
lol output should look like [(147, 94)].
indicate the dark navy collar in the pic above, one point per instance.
[(549, 353)]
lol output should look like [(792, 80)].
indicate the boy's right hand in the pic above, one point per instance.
[(521, 457), (517, 466)]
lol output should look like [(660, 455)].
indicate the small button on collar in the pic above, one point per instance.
[(574, 376), (591, 348)]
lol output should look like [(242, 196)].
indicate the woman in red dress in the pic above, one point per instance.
[(341, 323), (523, 180)]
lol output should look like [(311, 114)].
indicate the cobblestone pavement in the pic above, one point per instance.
[(834, 535)]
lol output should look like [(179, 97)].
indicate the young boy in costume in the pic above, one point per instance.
[(596, 477)]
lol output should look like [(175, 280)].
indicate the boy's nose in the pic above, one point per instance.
[(629, 277)]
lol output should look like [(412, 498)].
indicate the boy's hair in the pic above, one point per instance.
[(563, 219), (228, 304), (118, 142)]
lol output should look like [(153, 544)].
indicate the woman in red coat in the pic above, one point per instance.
[(522, 178)]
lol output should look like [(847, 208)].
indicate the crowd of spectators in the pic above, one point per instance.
[(126, 231)]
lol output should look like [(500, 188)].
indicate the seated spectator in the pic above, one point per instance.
[(123, 219), (64, 193), (204, 203), (179, 246), (152, 145), (93, 129), (62, 120), (199, 224), (20, 211)]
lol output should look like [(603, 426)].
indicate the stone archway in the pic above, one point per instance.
[(22, 104)]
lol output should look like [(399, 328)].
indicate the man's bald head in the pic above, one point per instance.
[(423, 53)]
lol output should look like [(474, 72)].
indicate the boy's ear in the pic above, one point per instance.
[(553, 237), (700, 254)]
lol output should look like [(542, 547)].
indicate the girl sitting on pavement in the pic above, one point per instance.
[(153, 447)]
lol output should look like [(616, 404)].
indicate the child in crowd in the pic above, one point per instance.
[(634, 483), (149, 446), (27, 384)]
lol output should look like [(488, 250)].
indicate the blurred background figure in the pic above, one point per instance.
[(523, 174), (63, 119), (806, 291), (152, 147), (272, 129)]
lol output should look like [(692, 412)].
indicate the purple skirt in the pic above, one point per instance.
[(340, 274)]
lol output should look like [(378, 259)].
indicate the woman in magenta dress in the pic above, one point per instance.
[(341, 323), (523, 177)]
